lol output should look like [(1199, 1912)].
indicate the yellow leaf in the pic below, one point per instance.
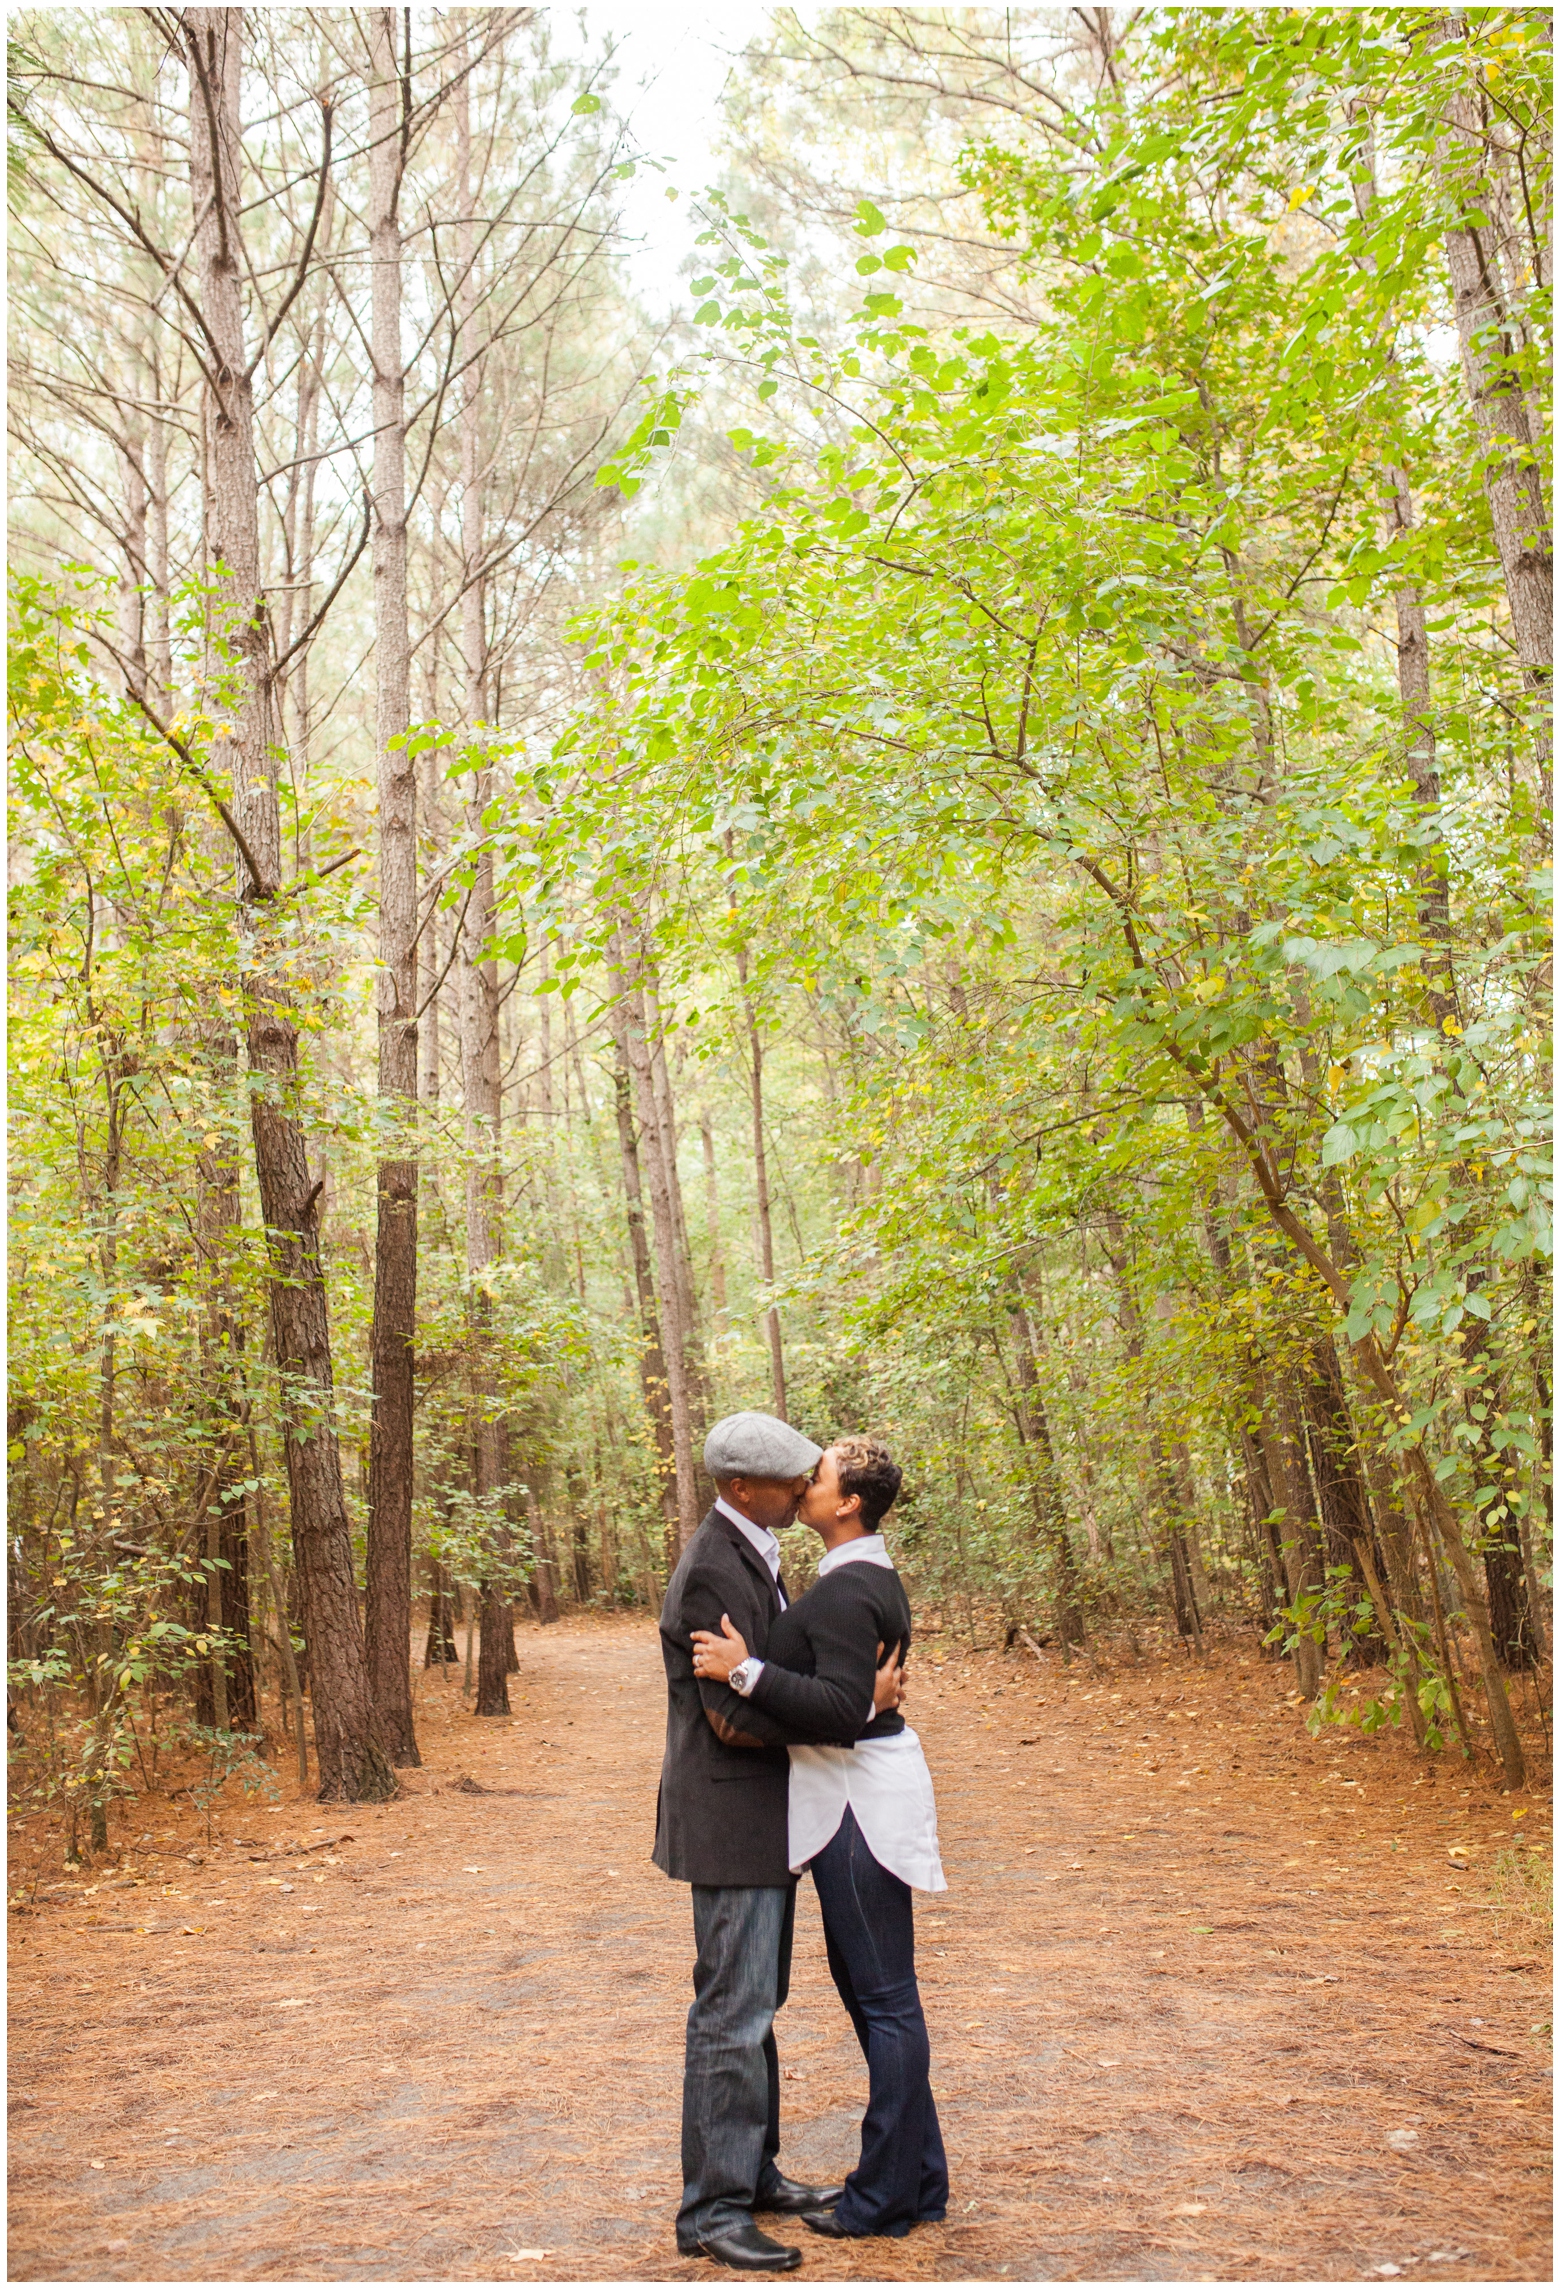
[(1298, 198)]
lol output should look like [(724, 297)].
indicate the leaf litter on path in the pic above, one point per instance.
[(1167, 2068)]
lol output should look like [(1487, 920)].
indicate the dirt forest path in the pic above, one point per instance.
[(1207, 1999)]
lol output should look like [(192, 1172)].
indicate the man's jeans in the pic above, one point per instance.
[(869, 1930), (731, 2072)]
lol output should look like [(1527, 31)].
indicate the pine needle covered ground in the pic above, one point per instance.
[(1208, 1999)]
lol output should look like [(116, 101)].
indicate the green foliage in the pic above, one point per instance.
[(1150, 1000)]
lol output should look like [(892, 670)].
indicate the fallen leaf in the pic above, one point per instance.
[(524, 2256), (97, 2165), (1190, 2209), (294, 2003)]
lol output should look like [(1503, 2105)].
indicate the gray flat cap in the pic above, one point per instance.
[(752, 1445)]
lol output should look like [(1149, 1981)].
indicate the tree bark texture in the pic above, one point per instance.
[(636, 1050), (1167, 1499), (544, 1568), (351, 1764), (1487, 337), (480, 1063), (1413, 666), (1294, 1538), (1045, 1482), (712, 1210), (652, 1358), (765, 1226), (439, 1648), (228, 1695), (665, 1139), (1495, 1479), (388, 1611), (1342, 1501)]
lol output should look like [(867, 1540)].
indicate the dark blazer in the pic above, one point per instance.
[(721, 1815)]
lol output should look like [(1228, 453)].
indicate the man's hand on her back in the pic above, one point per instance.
[(889, 1690)]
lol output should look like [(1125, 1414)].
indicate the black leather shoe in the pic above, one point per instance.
[(826, 2223), (788, 2199), (750, 2251)]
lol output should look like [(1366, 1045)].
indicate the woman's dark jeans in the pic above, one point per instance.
[(869, 1929)]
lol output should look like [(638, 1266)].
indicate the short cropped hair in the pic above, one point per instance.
[(866, 1467)]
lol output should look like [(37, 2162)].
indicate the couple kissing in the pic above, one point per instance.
[(786, 1751)]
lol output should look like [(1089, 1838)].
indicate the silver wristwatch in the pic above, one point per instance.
[(742, 1676)]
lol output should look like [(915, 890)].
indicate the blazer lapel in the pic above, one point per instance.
[(751, 1559), (756, 1566)]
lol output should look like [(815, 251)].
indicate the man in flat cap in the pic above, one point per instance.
[(721, 1826)]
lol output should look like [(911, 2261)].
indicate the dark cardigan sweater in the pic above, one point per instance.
[(821, 1658)]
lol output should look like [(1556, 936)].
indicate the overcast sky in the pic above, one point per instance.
[(672, 65)]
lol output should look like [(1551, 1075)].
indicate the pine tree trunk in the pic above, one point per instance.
[(652, 1358), (1050, 1505), (636, 1051), (1167, 1500), (440, 1649), (351, 1764), (1294, 1538), (1495, 1477), (1260, 1504), (157, 565), (1488, 337), (687, 1286), (1341, 1499), (712, 1210), (763, 1223), (544, 1574), (388, 1618), (433, 944), (1413, 665), (230, 1696), (766, 1242), (480, 1067)]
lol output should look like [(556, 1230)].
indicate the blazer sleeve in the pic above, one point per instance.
[(736, 1721), (835, 1705)]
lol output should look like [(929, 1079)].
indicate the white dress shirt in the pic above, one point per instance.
[(885, 1782), (762, 1540)]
